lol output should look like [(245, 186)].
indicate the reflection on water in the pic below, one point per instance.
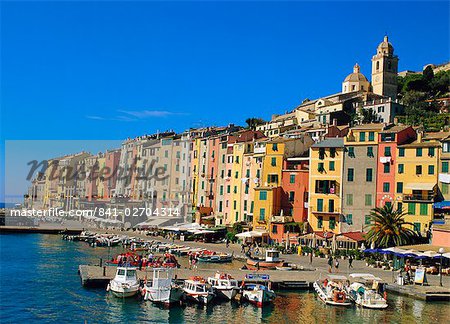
[(39, 281)]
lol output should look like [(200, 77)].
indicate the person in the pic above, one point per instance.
[(336, 265), (228, 243), (190, 261), (310, 257), (242, 248), (330, 264), (350, 261)]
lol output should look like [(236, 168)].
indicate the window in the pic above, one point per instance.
[(431, 151), (321, 153), (291, 196), (263, 195), (368, 200), (367, 220), (387, 151), (234, 204), (245, 205), (246, 189), (350, 174), (387, 168), (431, 169), (331, 165), (331, 206), (320, 222), (349, 219), (370, 151), (236, 174), (262, 214), (445, 188), (319, 205), (320, 167), (275, 147), (411, 208), (203, 184), (401, 168), (386, 187), (274, 161), (235, 189), (418, 169), (369, 175), (236, 160), (228, 189), (401, 151), (274, 229), (351, 151), (247, 173), (362, 136), (417, 227), (419, 151), (332, 222), (220, 206), (251, 206), (423, 209), (349, 199), (400, 206), (371, 136), (332, 152), (221, 190), (292, 178), (399, 187), (445, 167)]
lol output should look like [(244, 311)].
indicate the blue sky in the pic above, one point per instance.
[(111, 70)]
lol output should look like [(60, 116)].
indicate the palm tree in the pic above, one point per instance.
[(389, 228)]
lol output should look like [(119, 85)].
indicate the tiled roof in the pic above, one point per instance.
[(330, 142)]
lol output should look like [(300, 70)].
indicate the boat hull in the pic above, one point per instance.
[(165, 295), (258, 297), (200, 298), (227, 293), (327, 300), (264, 264)]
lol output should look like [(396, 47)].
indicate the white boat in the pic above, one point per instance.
[(366, 290), (257, 290), (332, 290), (224, 286), (198, 290), (125, 283), (162, 288)]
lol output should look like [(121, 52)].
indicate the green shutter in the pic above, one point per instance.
[(319, 205), (411, 208), (423, 209), (368, 200), (399, 187), (431, 169), (445, 167)]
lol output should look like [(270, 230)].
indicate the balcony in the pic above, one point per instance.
[(419, 197), (259, 150), (281, 219)]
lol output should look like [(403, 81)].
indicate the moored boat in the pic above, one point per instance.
[(366, 290), (125, 283), (216, 258), (198, 290), (332, 290), (225, 286), (271, 260), (256, 289), (162, 288)]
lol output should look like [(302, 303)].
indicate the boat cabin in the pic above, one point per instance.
[(126, 274), (272, 255), (220, 280), (195, 286), (162, 277)]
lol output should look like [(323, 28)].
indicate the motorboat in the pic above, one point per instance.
[(125, 283), (257, 290), (162, 288), (198, 290), (270, 261), (216, 258), (332, 290), (366, 290), (225, 286)]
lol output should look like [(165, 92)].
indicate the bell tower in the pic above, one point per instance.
[(384, 70)]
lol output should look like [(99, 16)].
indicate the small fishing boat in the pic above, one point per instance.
[(198, 290), (125, 283), (271, 260), (162, 288), (284, 267), (256, 289), (225, 286), (332, 290), (366, 290), (216, 258)]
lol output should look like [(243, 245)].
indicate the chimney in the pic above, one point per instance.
[(419, 136)]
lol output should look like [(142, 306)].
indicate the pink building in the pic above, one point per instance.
[(112, 159)]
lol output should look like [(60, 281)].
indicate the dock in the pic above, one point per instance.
[(38, 230), (96, 276)]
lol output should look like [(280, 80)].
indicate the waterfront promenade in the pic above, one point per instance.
[(318, 266)]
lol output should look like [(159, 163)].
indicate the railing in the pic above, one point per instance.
[(418, 197)]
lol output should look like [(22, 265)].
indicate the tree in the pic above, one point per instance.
[(389, 228), (369, 116), (253, 122), (428, 74)]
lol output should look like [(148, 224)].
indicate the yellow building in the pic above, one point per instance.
[(195, 152), (267, 203), (416, 181), (236, 182), (325, 185)]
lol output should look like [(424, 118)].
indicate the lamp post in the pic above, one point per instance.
[(441, 251)]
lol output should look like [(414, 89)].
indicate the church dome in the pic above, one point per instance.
[(356, 75), (385, 46)]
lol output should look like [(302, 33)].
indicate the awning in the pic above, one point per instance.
[(420, 186), (251, 234), (444, 177), (442, 204)]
